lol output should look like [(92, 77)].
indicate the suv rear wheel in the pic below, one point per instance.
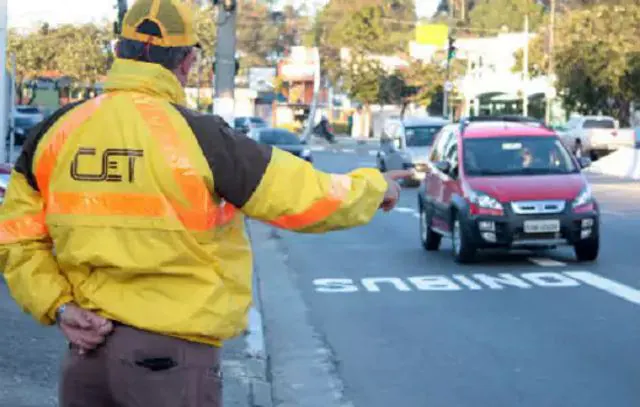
[(430, 239), (587, 250), (463, 250)]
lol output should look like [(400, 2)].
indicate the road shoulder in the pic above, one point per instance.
[(302, 368)]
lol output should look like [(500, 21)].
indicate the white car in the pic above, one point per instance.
[(406, 143), (25, 118)]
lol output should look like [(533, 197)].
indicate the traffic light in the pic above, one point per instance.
[(451, 52)]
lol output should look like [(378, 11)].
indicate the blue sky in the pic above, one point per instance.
[(26, 13)]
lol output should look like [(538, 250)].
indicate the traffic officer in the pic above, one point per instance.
[(123, 223)]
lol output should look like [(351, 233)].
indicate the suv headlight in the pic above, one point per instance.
[(485, 201), (584, 197)]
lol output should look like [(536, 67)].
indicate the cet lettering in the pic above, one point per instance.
[(110, 165)]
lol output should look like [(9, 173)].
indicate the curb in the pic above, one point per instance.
[(245, 366)]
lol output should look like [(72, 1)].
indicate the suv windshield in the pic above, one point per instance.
[(421, 136), (516, 156), (278, 137), (599, 124)]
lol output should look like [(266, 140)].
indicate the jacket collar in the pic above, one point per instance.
[(150, 79)]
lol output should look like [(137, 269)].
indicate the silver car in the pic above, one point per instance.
[(406, 143)]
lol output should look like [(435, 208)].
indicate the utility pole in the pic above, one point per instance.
[(4, 80), (448, 86), (525, 69), (551, 73), (225, 64), (12, 106), (122, 10)]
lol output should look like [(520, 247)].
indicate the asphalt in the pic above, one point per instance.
[(524, 329)]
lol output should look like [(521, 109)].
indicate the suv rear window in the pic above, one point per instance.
[(421, 136), (501, 156), (599, 124)]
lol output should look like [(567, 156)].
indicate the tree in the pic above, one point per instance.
[(292, 25), (421, 83), (494, 15), (538, 56), (83, 52), (361, 79), (392, 23), (597, 67), (257, 33)]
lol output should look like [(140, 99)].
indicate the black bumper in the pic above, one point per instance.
[(509, 229)]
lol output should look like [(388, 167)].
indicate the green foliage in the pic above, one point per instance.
[(82, 52), (374, 26), (362, 79), (493, 15), (598, 67)]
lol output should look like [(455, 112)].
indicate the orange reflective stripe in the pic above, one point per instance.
[(103, 204), (316, 213), (23, 228), (322, 209), (202, 214), (70, 122)]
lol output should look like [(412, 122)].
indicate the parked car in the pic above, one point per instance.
[(5, 173), (406, 143), (26, 117), (506, 184), (245, 124), (284, 140), (596, 136)]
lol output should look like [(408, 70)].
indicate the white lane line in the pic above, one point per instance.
[(544, 262), (405, 210), (612, 287), (373, 153), (416, 215), (348, 150)]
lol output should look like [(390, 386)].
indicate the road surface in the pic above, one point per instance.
[(402, 327)]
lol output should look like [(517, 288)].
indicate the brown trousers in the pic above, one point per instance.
[(140, 369)]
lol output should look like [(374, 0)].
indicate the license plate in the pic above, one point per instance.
[(542, 226)]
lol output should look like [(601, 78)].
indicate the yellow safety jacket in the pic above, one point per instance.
[(131, 205)]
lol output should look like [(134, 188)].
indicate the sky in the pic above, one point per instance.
[(27, 13)]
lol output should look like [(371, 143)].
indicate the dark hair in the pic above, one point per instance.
[(168, 57)]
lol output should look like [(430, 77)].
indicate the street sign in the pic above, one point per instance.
[(432, 34)]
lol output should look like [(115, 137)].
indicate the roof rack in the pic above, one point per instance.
[(465, 121)]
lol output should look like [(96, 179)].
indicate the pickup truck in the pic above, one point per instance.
[(596, 136)]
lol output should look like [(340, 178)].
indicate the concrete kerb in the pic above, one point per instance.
[(245, 362)]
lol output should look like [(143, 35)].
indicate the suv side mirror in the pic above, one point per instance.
[(584, 162), (443, 166)]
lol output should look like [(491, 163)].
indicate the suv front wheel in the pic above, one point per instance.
[(464, 251), (587, 250)]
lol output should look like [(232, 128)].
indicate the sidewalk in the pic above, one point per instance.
[(624, 163), (245, 377)]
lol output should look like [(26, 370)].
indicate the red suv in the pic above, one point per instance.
[(506, 183)]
